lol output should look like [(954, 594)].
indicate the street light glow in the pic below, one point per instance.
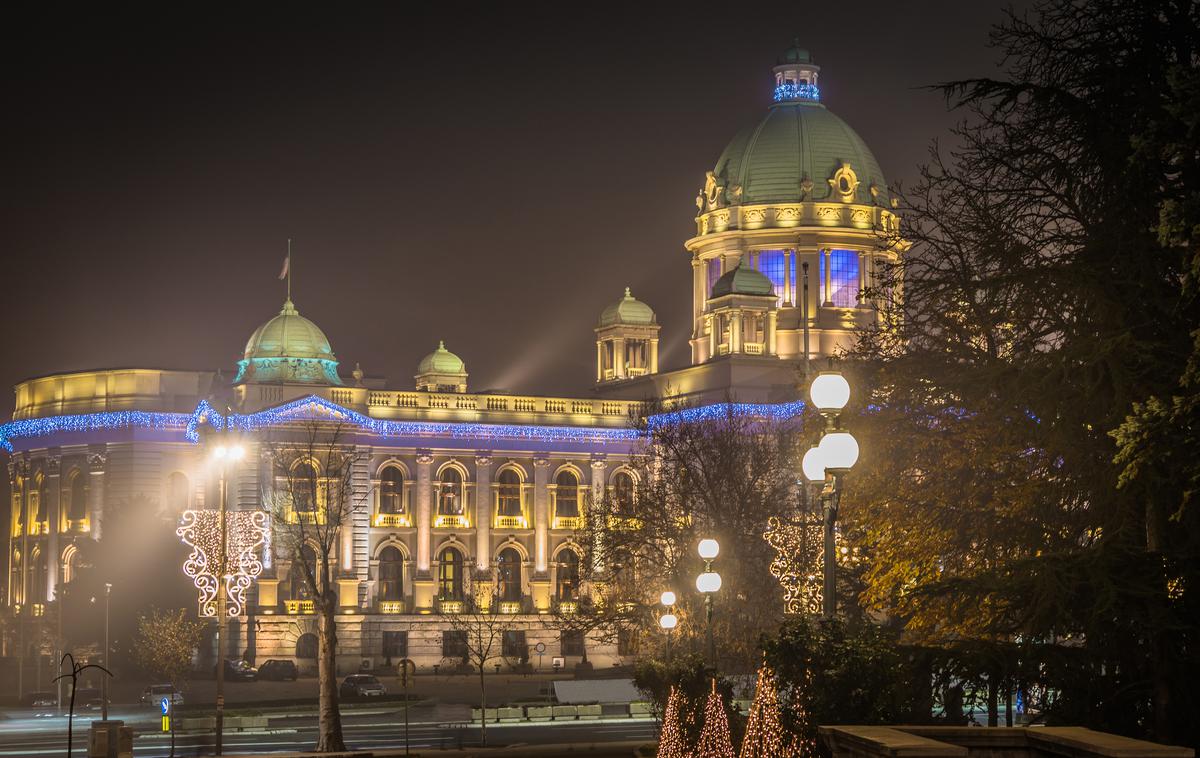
[(813, 465), (668, 598), (838, 451), (708, 582), (708, 549), (829, 391), (668, 621)]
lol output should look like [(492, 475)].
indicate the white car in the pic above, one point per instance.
[(154, 694)]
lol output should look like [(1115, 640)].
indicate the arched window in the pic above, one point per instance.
[(623, 493), (306, 646), (37, 588), (450, 493), (37, 501), (391, 574), (508, 491), (70, 563), (16, 578), (77, 507), (18, 516), (297, 585), (391, 490), (842, 277), (566, 498), (178, 493), (303, 487), (509, 569), (568, 575), (450, 574)]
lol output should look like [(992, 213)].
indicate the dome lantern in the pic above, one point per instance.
[(288, 349), (796, 76)]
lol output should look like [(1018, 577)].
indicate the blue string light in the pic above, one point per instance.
[(793, 91), (311, 407)]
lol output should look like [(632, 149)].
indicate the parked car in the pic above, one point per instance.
[(154, 694), (278, 669), (40, 700), (361, 685), (237, 670)]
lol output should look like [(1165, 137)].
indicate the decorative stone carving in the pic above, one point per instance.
[(806, 188), (425, 456), (787, 213), (483, 458), (52, 465), (541, 461), (713, 190), (755, 215), (96, 461), (844, 182)]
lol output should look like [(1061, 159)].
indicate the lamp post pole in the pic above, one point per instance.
[(668, 621), (107, 662), (708, 583), (225, 456), (829, 462)]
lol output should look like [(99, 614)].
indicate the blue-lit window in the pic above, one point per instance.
[(714, 273), (773, 265), (843, 278)]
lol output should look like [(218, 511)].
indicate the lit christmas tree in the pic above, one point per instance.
[(714, 737), (670, 741), (765, 736)]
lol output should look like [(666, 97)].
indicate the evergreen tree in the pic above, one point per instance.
[(765, 736), (671, 741), (715, 741)]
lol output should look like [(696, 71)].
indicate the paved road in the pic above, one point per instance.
[(373, 730)]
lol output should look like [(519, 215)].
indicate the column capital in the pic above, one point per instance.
[(424, 456), (541, 461), (52, 464), (96, 461), (598, 462), (483, 457)]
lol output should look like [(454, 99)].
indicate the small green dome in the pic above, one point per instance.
[(288, 348), (795, 54), (441, 361), (289, 335), (740, 280), (628, 310)]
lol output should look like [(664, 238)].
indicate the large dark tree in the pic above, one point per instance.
[(1042, 303)]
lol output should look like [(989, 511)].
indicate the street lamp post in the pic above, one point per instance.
[(668, 621), (107, 662), (224, 456), (709, 583), (829, 462)]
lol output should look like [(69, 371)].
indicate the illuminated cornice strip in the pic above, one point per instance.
[(313, 407)]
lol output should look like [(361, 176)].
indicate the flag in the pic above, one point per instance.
[(287, 263)]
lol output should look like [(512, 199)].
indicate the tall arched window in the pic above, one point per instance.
[(508, 567), (16, 582), (842, 290), (566, 498), (37, 585), (568, 575), (77, 507), (306, 646), (391, 490), (37, 501), (391, 574), (178, 493), (70, 563), (450, 493), (304, 487), (623, 493), (450, 574), (17, 511), (508, 489)]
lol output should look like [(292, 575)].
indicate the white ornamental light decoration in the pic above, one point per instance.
[(246, 532)]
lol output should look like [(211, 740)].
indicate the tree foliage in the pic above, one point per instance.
[(1033, 356), (166, 642)]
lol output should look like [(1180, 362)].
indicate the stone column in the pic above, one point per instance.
[(787, 277), (97, 457), (619, 357), (54, 516), (483, 509), (654, 356), (424, 510), (828, 300), (541, 513), (360, 533), (599, 361), (735, 333), (862, 278), (770, 348), (595, 506)]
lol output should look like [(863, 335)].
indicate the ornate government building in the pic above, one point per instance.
[(788, 236)]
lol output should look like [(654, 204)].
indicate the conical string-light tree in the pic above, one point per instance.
[(765, 735), (671, 743), (715, 741)]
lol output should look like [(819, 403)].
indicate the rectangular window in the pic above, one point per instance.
[(714, 273), (773, 265), (395, 645), (572, 642), (454, 644), (843, 278), (514, 645)]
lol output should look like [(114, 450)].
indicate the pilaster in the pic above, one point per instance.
[(483, 509), (97, 458), (424, 511), (541, 515), (54, 517)]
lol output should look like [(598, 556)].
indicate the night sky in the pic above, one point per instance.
[(492, 178)]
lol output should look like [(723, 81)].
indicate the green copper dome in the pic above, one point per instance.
[(742, 281), (793, 152), (628, 310), (288, 348), (441, 361)]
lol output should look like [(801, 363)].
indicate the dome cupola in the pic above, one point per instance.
[(741, 280), (626, 340), (441, 371), (628, 310), (288, 349)]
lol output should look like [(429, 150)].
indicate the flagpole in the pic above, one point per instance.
[(289, 269)]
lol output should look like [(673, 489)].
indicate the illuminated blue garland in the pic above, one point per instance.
[(311, 407), (88, 422), (793, 91)]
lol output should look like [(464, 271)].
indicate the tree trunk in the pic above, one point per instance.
[(482, 707), (329, 729), (993, 699)]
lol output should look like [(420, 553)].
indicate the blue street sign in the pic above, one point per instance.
[(166, 705)]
